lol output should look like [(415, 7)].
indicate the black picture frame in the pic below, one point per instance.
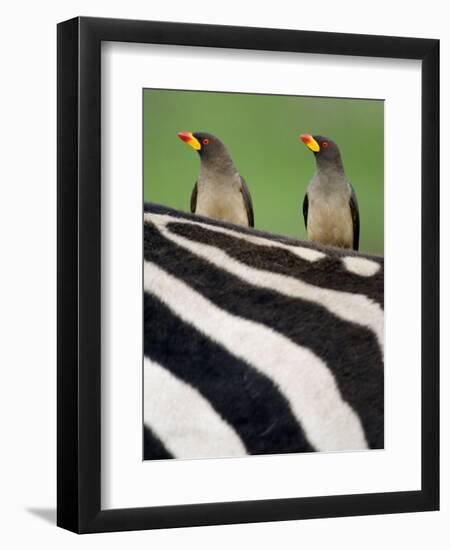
[(79, 274)]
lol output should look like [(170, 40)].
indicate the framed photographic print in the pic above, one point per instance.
[(248, 308)]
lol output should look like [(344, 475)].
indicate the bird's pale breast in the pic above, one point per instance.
[(330, 220), (221, 201)]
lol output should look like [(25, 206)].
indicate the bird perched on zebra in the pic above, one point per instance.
[(220, 192), (256, 343), (330, 208)]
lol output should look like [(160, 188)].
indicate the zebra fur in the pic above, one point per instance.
[(256, 343)]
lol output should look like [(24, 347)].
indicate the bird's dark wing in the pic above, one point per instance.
[(355, 218), (247, 202), (194, 199), (305, 210)]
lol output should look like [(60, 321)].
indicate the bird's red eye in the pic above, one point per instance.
[(324, 144), (205, 141)]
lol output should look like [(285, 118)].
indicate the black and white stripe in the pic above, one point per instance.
[(256, 343)]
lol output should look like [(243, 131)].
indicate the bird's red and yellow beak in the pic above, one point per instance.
[(188, 138), (310, 142)]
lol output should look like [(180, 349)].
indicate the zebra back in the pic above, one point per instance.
[(256, 343)]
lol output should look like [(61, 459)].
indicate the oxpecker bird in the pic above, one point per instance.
[(330, 208), (220, 192)]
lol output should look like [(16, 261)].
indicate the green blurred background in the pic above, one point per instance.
[(261, 133)]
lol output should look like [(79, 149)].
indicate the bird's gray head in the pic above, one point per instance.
[(325, 150), (212, 151)]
